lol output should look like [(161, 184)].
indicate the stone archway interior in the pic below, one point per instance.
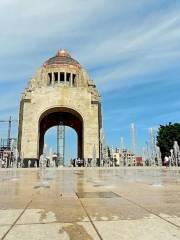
[(65, 116)]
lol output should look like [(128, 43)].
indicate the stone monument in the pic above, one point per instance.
[(61, 92)]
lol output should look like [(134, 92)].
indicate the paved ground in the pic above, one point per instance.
[(85, 204)]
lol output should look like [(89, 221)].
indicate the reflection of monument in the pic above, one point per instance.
[(60, 92)]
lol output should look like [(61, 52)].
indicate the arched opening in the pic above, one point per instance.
[(61, 116), (70, 144)]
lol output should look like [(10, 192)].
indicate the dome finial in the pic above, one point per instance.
[(63, 53), (62, 57)]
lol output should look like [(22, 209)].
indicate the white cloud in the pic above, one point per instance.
[(150, 48), (97, 32)]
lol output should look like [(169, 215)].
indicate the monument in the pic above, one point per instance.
[(61, 92)]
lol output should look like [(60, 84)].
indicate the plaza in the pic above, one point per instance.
[(134, 203)]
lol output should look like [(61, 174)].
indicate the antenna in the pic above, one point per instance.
[(9, 130)]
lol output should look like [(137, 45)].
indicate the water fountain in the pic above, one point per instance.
[(174, 159), (125, 157), (51, 162), (102, 147), (144, 156), (16, 156), (42, 162), (176, 153), (158, 156), (94, 156), (42, 173), (171, 158)]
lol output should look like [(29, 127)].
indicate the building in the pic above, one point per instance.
[(61, 92), (124, 157)]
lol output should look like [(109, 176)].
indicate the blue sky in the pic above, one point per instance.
[(130, 48)]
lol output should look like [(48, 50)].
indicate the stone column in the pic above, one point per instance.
[(71, 79), (52, 78)]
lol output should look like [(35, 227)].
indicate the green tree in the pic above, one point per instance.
[(166, 136)]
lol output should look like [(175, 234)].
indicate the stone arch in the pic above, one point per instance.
[(69, 117), (80, 103)]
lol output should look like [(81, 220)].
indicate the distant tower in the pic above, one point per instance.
[(121, 143), (133, 138), (60, 144)]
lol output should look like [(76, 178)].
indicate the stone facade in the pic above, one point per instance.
[(60, 85)]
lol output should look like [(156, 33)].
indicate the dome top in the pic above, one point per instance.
[(62, 58)]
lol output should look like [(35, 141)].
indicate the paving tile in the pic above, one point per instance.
[(140, 229), (53, 214), (8, 216), (3, 230), (172, 210), (64, 209), (175, 220), (55, 231), (113, 209)]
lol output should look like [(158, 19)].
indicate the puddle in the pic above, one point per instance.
[(42, 185), (97, 195), (76, 232), (157, 185)]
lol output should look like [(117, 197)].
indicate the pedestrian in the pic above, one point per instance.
[(166, 161)]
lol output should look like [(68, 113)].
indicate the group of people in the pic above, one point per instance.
[(9, 163), (84, 162)]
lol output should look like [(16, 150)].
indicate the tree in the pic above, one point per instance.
[(166, 136)]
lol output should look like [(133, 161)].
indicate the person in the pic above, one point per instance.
[(86, 162), (76, 162), (29, 163), (166, 161), (71, 163), (170, 161), (35, 164)]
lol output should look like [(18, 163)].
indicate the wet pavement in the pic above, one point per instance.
[(94, 203)]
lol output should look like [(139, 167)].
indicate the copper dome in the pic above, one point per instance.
[(62, 58)]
